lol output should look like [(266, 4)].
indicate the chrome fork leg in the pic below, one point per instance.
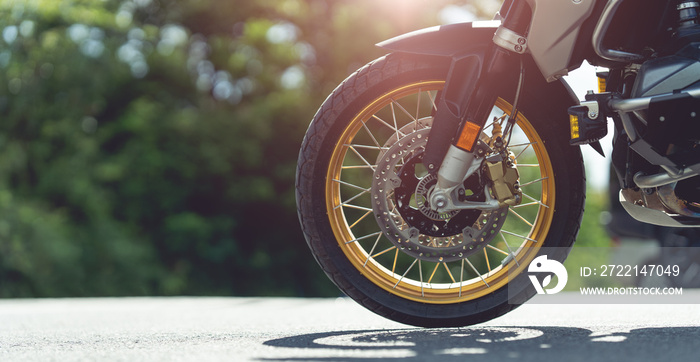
[(457, 166)]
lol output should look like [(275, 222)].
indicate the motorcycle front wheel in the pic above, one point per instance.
[(380, 118)]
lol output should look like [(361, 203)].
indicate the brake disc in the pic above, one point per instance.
[(400, 203)]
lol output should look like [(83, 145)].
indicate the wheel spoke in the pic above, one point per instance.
[(486, 256), (362, 208), (351, 185), (417, 109), (384, 251), (414, 119), (396, 257), (528, 204), (367, 147), (393, 115), (406, 272), (523, 144), (534, 199), (523, 150), (461, 277), (476, 271), (357, 167), (509, 249), (364, 237), (347, 202), (432, 100), (420, 272), (433, 274), (360, 219), (520, 217), (520, 236), (362, 158), (449, 272), (395, 129), (371, 135), (497, 249), (369, 255), (534, 181)]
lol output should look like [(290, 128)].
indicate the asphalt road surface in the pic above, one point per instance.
[(292, 329)]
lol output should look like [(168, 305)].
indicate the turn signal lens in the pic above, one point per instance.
[(470, 132), (602, 83), (573, 121)]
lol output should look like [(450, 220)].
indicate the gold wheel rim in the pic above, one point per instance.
[(437, 282)]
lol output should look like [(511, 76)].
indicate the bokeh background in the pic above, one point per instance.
[(148, 147)]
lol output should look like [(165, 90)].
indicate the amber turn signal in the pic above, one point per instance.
[(470, 132), (573, 120)]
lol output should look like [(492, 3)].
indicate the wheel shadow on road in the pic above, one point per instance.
[(490, 344)]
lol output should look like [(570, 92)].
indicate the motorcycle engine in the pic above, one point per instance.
[(669, 127), (673, 121)]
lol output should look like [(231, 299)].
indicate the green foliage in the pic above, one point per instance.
[(149, 147)]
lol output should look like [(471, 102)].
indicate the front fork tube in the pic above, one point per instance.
[(466, 103)]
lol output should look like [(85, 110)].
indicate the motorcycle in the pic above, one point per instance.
[(432, 177)]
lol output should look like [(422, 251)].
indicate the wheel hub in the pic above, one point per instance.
[(412, 203)]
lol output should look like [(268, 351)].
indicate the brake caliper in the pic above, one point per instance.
[(503, 174), (501, 170)]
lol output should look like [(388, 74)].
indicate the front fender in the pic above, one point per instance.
[(459, 40), (446, 40)]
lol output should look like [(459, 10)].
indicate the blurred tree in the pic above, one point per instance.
[(149, 146)]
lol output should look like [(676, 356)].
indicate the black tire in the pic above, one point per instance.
[(331, 212)]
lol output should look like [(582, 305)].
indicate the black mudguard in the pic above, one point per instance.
[(447, 41)]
